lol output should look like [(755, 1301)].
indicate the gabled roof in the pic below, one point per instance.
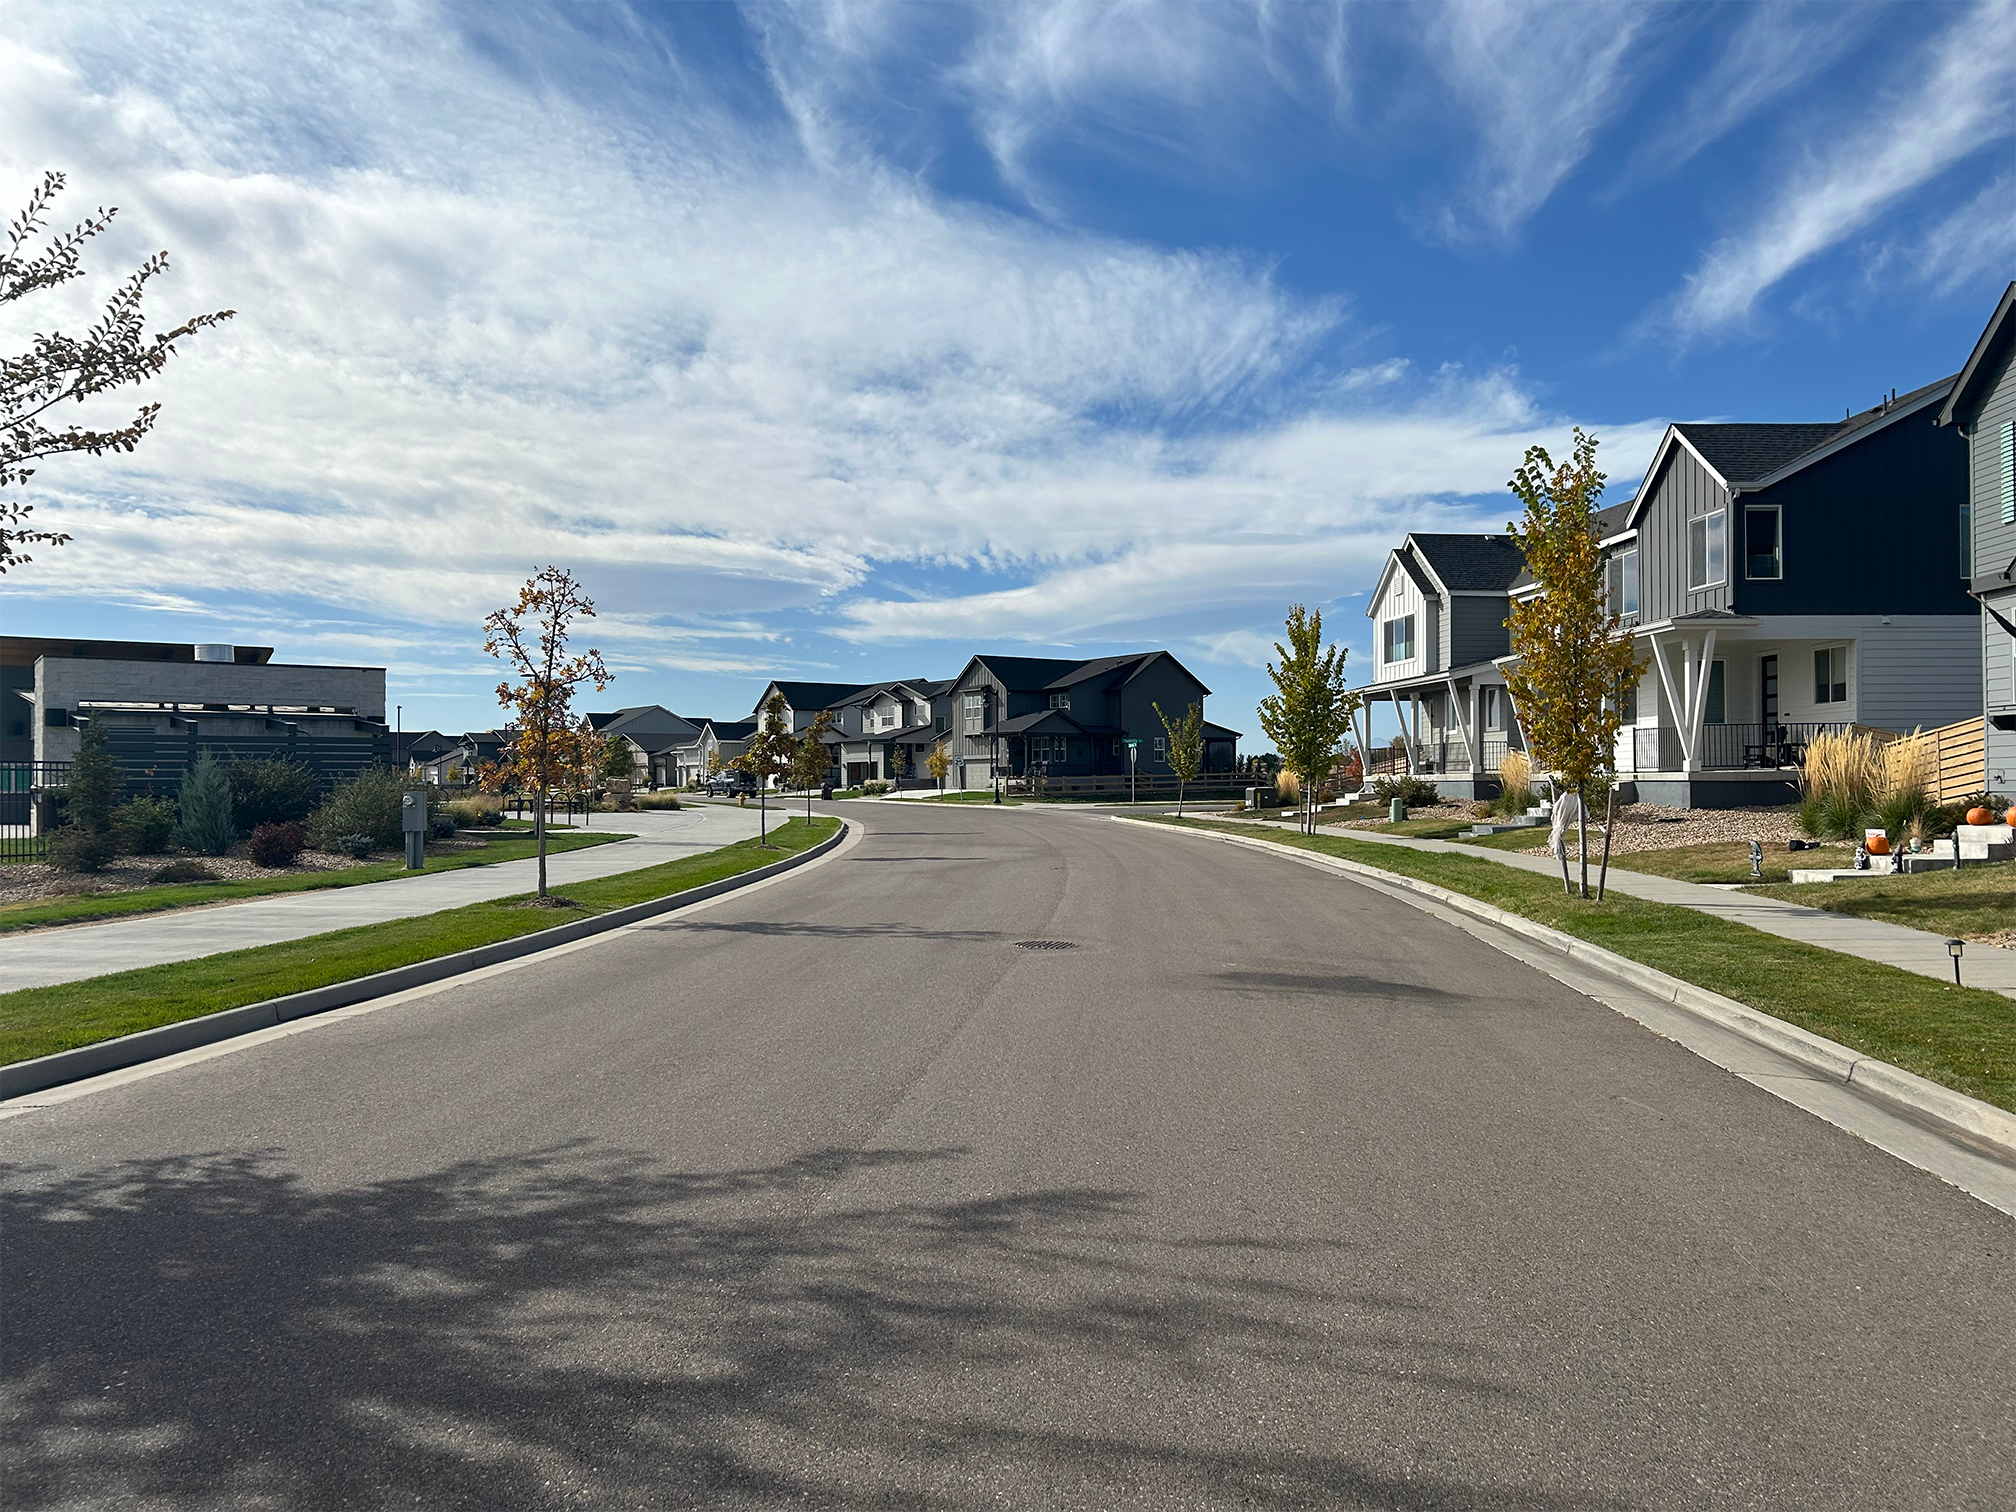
[(923, 687), (1400, 559), (1470, 563), (1219, 732), (1983, 363), (1049, 722), (731, 729), (1608, 521), (1024, 674), (642, 722), (811, 695)]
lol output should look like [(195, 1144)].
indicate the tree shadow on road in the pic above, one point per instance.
[(583, 1326)]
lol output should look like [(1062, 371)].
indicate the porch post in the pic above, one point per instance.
[(1699, 713), (1682, 729), (1456, 703), (1407, 740)]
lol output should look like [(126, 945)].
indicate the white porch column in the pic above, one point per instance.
[(1407, 733), (1462, 724), (1682, 728), (1699, 713)]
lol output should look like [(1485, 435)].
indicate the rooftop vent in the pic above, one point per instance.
[(213, 652)]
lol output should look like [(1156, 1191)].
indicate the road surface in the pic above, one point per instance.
[(1270, 1191)]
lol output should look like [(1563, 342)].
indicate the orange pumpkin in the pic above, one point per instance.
[(2010, 817), (1979, 816), (1878, 845)]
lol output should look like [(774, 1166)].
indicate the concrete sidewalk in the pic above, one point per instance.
[(1916, 950), (73, 952)]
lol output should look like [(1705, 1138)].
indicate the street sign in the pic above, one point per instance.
[(1132, 744)]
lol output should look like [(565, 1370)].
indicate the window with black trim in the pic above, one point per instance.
[(1763, 546), (1830, 675), (1707, 550), (1060, 701), (1400, 639), (1620, 581), (1717, 711)]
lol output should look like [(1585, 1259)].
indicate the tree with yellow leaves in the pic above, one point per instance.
[(1573, 660), (530, 637)]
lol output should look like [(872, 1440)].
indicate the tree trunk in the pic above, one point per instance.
[(762, 814), (1582, 834), (539, 835), (1609, 823)]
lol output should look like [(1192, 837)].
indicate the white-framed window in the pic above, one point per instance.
[(976, 710), (1399, 639), (1161, 747), (1621, 581), (1060, 701), (2006, 449), (1708, 550), (1763, 542), (1491, 708), (1830, 675)]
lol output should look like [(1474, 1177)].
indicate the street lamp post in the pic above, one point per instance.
[(1953, 949)]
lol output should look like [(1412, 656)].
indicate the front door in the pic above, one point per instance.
[(1767, 691)]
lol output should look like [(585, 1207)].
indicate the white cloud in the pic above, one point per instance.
[(1540, 81), (1977, 241), (1961, 98), (1773, 52)]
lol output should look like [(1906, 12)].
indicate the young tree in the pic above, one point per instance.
[(1572, 658), (899, 761), (1186, 747), (91, 792), (810, 762), (530, 637), (56, 369), (1310, 714), (939, 762), (769, 755), (206, 826)]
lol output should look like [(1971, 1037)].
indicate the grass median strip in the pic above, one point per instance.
[(1975, 901), (42, 1020), (94, 907), (1963, 1038)]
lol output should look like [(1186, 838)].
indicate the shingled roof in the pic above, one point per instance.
[(1747, 452), (1471, 563)]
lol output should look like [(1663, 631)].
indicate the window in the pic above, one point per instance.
[(1621, 581), (1118, 749), (1761, 545), (976, 710), (1039, 748), (941, 724), (1060, 701), (1707, 549), (1718, 697), (1830, 675), (1161, 747), (1400, 639), (1492, 707), (2008, 481)]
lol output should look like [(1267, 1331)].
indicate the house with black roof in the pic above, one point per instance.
[(1438, 613), (715, 743), (1980, 409), (1788, 579), (651, 733), (884, 732), (1024, 716)]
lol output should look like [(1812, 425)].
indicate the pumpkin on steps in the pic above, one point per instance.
[(1979, 816), (1878, 845), (2010, 817)]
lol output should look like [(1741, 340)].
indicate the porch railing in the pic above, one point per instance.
[(1760, 747), (1440, 754)]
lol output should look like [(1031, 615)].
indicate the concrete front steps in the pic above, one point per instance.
[(1970, 842)]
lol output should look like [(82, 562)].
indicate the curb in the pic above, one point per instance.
[(46, 1071), (1955, 1113)]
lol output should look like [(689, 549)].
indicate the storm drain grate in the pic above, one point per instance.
[(1045, 945)]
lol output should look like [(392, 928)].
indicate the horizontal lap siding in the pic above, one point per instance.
[(1914, 675), (1994, 542)]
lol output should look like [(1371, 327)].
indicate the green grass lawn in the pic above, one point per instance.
[(1976, 900), (1964, 1038), (975, 795), (42, 1020), (91, 907)]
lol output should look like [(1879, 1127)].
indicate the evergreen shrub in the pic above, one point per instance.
[(272, 791), (145, 825), (368, 804), (206, 826)]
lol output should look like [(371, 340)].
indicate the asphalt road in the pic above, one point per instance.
[(1270, 1192)]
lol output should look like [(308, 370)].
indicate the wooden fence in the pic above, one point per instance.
[(1962, 759)]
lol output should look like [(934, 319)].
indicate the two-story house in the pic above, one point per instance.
[(1015, 716), (885, 732), (715, 743), (1788, 579), (650, 733), (1981, 409), (1438, 630)]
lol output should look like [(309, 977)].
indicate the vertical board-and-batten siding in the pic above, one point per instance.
[(1685, 490), (1477, 630)]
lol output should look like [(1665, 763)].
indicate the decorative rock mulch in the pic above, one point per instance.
[(26, 884)]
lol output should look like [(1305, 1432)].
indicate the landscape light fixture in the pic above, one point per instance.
[(1953, 949)]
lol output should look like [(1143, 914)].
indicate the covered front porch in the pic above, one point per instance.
[(1455, 729)]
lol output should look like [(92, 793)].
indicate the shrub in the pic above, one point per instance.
[(92, 788), (272, 791), (657, 800), (873, 786), (441, 827), (368, 804), (1414, 792), (357, 847), (75, 849), (278, 844), (145, 825), (1515, 784), (206, 826), (472, 813), (183, 871)]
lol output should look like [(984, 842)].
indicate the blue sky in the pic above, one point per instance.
[(841, 341)]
